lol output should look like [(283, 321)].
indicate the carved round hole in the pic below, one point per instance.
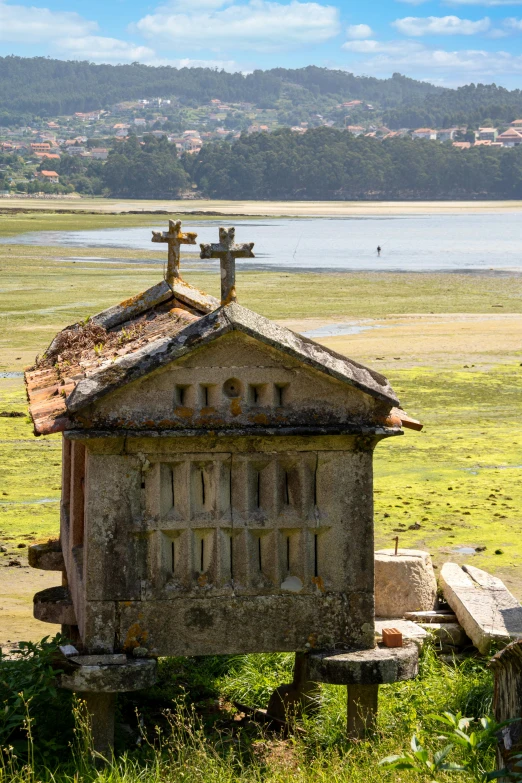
[(232, 388)]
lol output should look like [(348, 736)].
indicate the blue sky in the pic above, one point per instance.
[(447, 42)]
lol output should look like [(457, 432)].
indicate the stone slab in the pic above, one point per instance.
[(410, 631), (436, 616), (234, 625), (117, 659), (447, 633), (485, 608), (54, 605), (107, 678), (378, 666), (47, 557)]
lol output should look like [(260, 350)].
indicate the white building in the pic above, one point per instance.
[(424, 133)]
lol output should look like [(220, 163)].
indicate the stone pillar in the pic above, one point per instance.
[(301, 695), (101, 708), (362, 709)]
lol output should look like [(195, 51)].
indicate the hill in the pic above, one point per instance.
[(46, 87)]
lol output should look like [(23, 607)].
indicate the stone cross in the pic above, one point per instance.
[(174, 238), (227, 252)]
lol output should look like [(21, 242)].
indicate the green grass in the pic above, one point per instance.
[(190, 733)]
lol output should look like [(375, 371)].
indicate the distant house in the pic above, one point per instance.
[(446, 134), (140, 122), (40, 146), (488, 134), (356, 130), (424, 133), (48, 176), (483, 143), (351, 104), (99, 153), (75, 150), (50, 155), (462, 145), (516, 124), (510, 137)]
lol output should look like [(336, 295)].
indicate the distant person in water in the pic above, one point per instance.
[(378, 250)]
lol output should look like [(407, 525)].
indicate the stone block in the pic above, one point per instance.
[(447, 633), (54, 605), (404, 582), (47, 557), (485, 608)]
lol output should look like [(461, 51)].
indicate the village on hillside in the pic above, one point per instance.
[(30, 153)]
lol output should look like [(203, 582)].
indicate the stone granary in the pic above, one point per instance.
[(216, 489)]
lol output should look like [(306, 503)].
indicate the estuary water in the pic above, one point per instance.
[(464, 242)]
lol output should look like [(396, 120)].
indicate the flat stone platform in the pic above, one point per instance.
[(379, 666)]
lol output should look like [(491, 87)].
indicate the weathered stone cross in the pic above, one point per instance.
[(174, 238), (227, 252)]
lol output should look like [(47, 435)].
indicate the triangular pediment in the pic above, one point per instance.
[(230, 368)]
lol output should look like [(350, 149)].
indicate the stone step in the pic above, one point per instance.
[(435, 616), (447, 633), (485, 608)]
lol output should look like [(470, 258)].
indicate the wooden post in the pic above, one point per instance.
[(362, 709), (507, 703)]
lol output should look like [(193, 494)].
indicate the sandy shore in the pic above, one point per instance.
[(267, 208)]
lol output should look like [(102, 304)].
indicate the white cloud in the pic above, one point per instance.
[(261, 25), (27, 24), (358, 31), (97, 48), (422, 62), (382, 47), (513, 24), (440, 25)]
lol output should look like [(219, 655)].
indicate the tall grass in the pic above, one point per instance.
[(187, 743)]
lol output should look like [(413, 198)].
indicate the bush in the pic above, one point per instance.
[(30, 700)]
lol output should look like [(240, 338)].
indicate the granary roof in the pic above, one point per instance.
[(88, 360)]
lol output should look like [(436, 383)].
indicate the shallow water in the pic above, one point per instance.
[(428, 243), (335, 330)]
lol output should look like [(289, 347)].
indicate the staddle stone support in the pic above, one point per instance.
[(174, 237), (101, 709), (301, 695), (362, 709), (227, 252), (363, 671)]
